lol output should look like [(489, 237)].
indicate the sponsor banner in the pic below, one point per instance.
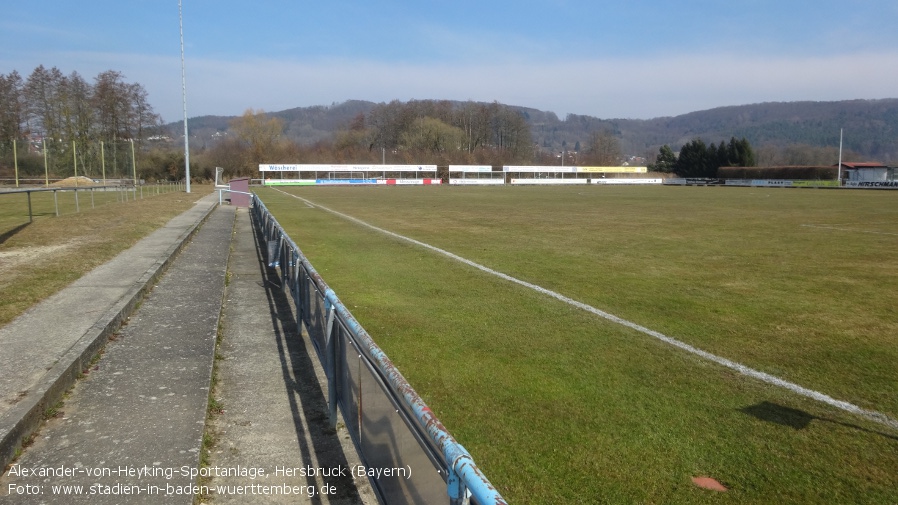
[(626, 181), (346, 168), (771, 182), (549, 181), (543, 169), (289, 182), (780, 183), (872, 184), (470, 168), (409, 182), (332, 182), (613, 170), (815, 184), (752, 182), (278, 168), (693, 181), (472, 182)]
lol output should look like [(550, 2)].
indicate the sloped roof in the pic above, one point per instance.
[(866, 164)]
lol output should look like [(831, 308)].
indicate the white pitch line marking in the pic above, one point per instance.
[(835, 228), (872, 415)]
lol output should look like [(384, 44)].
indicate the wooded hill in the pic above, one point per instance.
[(870, 127)]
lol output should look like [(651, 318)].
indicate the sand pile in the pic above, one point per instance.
[(73, 182)]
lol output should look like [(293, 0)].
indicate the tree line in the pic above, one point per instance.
[(63, 113), (74, 125), (418, 131), (441, 131), (697, 159)]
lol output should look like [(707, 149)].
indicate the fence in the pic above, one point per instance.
[(71, 200), (390, 425)]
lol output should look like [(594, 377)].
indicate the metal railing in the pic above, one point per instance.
[(390, 425), (123, 193)]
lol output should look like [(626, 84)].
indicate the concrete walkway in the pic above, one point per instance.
[(43, 351), (128, 428), (131, 430), (274, 413)]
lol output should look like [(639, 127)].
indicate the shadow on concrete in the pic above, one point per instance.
[(798, 419), (305, 394)]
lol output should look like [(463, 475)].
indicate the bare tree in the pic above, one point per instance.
[(13, 122), (42, 95), (433, 136), (603, 148), (259, 135)]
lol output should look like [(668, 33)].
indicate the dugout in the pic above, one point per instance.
[(322, 175), (475, 175), (517, 174)]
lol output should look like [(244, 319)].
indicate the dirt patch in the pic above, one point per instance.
[(12, 258)]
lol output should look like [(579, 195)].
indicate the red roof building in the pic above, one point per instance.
[(866, 172)]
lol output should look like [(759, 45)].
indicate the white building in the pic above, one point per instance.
[(866, 172)]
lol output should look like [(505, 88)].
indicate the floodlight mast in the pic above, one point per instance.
[(840, 158), (184, 95)]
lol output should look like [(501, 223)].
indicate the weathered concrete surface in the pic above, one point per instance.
[(131, 431), (43, 350), (274, 413)]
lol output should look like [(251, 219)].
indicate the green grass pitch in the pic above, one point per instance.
[(560, 406)]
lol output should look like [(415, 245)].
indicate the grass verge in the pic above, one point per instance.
[(41, 258)]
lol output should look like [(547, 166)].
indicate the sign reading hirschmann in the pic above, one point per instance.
[(872, 184)]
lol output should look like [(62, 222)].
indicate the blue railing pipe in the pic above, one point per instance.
[(464, 479)]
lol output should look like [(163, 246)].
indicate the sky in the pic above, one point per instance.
[(635, 59)]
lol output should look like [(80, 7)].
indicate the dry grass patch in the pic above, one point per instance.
[(39, 259)]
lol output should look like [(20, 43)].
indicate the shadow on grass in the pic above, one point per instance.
[(798, 419), (11, 232)]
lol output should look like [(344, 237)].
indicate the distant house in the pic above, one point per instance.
[(866, 172)]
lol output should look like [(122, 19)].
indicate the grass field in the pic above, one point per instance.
[(558, 405), (14, 206), (38, 259)]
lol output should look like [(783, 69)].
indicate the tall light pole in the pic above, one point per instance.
[(184, 95), (839, 176)]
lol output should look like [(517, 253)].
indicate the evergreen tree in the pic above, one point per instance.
[(666, 161), (738, 154), (700, 160), (694, 160)]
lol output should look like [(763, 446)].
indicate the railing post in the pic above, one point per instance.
[(331, 357), (458, 493), (283, 258), (30, 214), (298, 297), (294, 266)]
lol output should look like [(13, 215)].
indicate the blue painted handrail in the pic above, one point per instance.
[(463, 478)]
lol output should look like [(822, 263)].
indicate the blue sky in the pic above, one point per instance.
[(627, 59)]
